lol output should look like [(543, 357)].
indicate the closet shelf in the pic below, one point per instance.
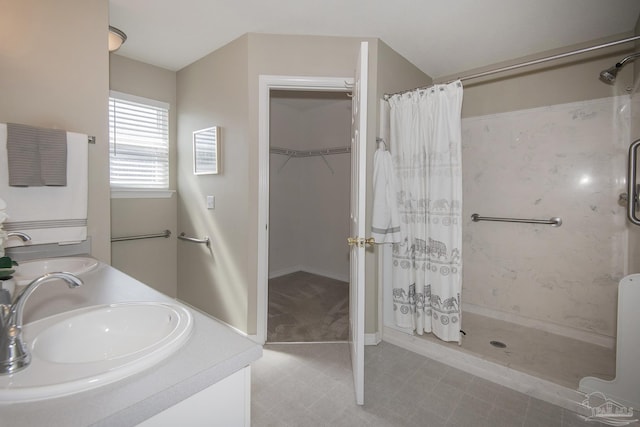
[(309, 153)]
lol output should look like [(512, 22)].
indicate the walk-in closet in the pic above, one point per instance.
[(309, 185)]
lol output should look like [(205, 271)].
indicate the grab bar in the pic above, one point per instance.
[(632, 188), (165, 234), (206, 239), (554, 222)]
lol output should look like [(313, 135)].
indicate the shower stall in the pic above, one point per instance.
[(545, 292), (539, 298)]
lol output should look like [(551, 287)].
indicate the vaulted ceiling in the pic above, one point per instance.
[(439, 37)]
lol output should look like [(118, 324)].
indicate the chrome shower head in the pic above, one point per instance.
[(609, 75)]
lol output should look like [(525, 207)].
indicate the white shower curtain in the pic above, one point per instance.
[(427, 264)]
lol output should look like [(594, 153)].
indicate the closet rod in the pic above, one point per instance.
[(527, 63)]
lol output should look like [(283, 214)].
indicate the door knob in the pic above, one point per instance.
[(359, 241)]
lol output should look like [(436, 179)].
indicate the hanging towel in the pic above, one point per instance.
[(23, 156), (36, 156), (52, 144), (385, 224), (49, 214)]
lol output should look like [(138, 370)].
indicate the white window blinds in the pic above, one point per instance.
[(138, 142)]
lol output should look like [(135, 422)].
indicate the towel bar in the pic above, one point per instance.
[(205, 241), (554, 222), (165, 234)]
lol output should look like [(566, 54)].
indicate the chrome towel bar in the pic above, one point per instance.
[(206, 239), (165, 234), (554, 222)]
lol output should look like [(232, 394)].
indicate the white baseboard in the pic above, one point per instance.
[(372, 339), (524, 383), (565, 331), (284, 271)]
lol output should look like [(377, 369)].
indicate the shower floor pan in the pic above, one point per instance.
[(552, 357)]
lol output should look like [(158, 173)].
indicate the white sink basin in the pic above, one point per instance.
[(87, 348), (29, 270)]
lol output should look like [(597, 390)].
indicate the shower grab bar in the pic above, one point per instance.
[(165, 234), (632, 188), (206, 241), (554, 222)]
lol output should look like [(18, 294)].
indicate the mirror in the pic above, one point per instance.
[(206, 150)]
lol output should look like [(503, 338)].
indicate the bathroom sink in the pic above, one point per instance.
[(87, 348), (29, 270)]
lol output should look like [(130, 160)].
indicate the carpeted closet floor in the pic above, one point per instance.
[(305, 307)]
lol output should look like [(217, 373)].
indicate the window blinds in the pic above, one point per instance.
[(138, 142)]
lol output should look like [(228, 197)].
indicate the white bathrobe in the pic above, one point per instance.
[(385, 225)]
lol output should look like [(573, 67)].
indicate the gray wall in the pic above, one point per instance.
[(152, 261), (222, 89), (568, 80), (213, 91), (55, 73)]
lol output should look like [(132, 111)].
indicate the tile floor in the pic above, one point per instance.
[(311, 385)]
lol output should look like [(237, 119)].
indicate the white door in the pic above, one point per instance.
[(358, 187)]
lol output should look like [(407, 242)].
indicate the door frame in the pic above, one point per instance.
[(265, 84)]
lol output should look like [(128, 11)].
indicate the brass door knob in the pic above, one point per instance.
[(360, 241)]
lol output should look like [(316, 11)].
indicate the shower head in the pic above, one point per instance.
[(609, 75)]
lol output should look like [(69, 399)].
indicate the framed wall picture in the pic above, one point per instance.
[(206, 151)]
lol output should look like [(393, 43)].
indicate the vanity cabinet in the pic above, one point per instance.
[(227, 403), (207, 382)]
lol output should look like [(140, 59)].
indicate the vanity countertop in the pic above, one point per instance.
[(213, 352)]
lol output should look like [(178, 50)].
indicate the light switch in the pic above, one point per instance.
[(211, 202)]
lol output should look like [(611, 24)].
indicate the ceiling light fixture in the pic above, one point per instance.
[(116, 38)]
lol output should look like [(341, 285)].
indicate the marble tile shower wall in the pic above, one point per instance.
[(564, 160)]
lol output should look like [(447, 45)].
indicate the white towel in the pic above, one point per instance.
[(385, 224), (49, 214)]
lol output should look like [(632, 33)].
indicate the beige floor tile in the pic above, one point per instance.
[(435, 395)]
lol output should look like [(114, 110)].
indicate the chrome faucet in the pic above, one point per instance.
[(14, 355), (22, 236)]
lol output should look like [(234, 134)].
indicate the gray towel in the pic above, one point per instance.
[(36, 156), (23, 155)]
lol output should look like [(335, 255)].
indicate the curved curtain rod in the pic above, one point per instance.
[(526, 64)]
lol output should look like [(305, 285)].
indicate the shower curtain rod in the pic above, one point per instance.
[(526, 64)]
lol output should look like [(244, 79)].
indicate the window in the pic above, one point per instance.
[(138, 143)]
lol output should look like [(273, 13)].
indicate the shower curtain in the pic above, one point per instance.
[(427, 265)]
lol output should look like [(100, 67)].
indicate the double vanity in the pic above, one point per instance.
[(116, 352)]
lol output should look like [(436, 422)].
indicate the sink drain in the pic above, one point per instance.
[(498, 344)]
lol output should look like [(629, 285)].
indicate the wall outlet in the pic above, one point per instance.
[(211, 202)]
